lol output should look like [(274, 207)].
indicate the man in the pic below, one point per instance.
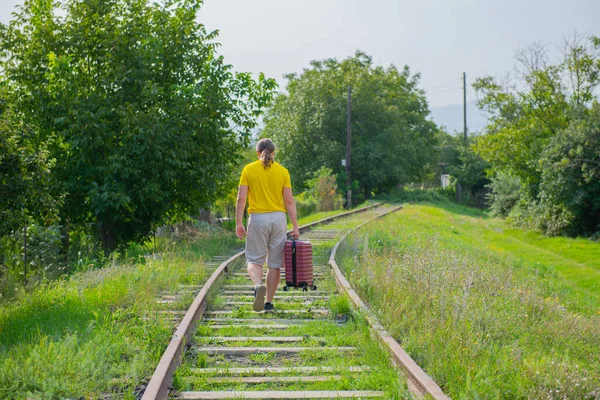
[(267, 186)]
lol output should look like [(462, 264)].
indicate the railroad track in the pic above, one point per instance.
[(307, 349)]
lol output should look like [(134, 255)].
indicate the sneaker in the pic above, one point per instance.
[(269, 307), (260, 291)]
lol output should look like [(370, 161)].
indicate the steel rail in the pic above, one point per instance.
[(419, 383), (159, 386)]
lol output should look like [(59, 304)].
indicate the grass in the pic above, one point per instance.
[(487, 310), (97, 333)]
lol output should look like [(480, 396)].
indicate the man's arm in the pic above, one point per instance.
[(290, 206), (240, 231)]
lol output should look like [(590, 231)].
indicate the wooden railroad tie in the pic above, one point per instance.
[(322, 394), (274, 339), (285, 321), (269, 379), (280, 293), (252, 326), (299, 312), (290, 299), (243, 351), (276, 370)]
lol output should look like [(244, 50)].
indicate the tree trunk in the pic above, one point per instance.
[(205, 215), (107, 236)]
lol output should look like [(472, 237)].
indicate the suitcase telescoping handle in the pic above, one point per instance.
[(294, 262)]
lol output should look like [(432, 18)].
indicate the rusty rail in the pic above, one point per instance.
[(419, 383)]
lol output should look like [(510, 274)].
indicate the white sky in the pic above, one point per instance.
[(438, 38)]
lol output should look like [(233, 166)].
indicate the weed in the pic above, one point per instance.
[(339, 305)]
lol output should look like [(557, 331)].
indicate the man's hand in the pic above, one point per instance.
[(295, 232), (240, 231)]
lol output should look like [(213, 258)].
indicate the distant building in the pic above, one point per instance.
[(445, 180)]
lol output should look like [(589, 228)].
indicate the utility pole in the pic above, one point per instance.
[(349, 150), (465, 105)]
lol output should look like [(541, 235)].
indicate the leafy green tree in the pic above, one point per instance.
[(392, 140), (570, 188), (24, 176), (527, 114), (543, 133), (144, 117)]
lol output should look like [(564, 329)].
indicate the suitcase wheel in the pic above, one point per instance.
[(313, 287), (286, 288)]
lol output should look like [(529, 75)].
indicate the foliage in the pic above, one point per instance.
[(224, 207), (24, 175), (571, 176), (532, 123), (392, 141), (43, 252), (470, 169), (323, 188), (141, 114), (448, 149), (305, 204), (505, 194), (467, 168)]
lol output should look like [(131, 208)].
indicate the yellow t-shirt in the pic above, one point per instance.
[(265, 186)]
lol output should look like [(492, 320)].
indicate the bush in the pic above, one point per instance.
[(506, 192), (305, 204), (323, 189)]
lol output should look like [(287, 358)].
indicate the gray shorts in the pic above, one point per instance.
[(266, 238)]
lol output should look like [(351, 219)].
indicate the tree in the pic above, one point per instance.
[(24, 175), (526, 115), (392, 140), (544, 135), (570, 188), (145, 119)]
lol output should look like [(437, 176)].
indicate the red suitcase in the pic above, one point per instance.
[(298, 265)]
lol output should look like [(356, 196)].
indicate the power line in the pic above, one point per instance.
[(444, 91), (444, 85)]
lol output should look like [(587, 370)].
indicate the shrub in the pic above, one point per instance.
[(323, 188), (506, 191), (305, 205)]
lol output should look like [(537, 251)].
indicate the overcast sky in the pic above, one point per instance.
[(438, 38)]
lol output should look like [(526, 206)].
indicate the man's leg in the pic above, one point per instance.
[(275, 258), (272, 283), (255, 273), (256, 251)]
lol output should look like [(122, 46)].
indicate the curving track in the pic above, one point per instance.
[(300, 351)]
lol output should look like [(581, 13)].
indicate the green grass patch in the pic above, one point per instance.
[(97, 333), (488, 311)]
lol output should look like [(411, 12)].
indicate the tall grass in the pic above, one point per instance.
[(97, 332), (481, 322)]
